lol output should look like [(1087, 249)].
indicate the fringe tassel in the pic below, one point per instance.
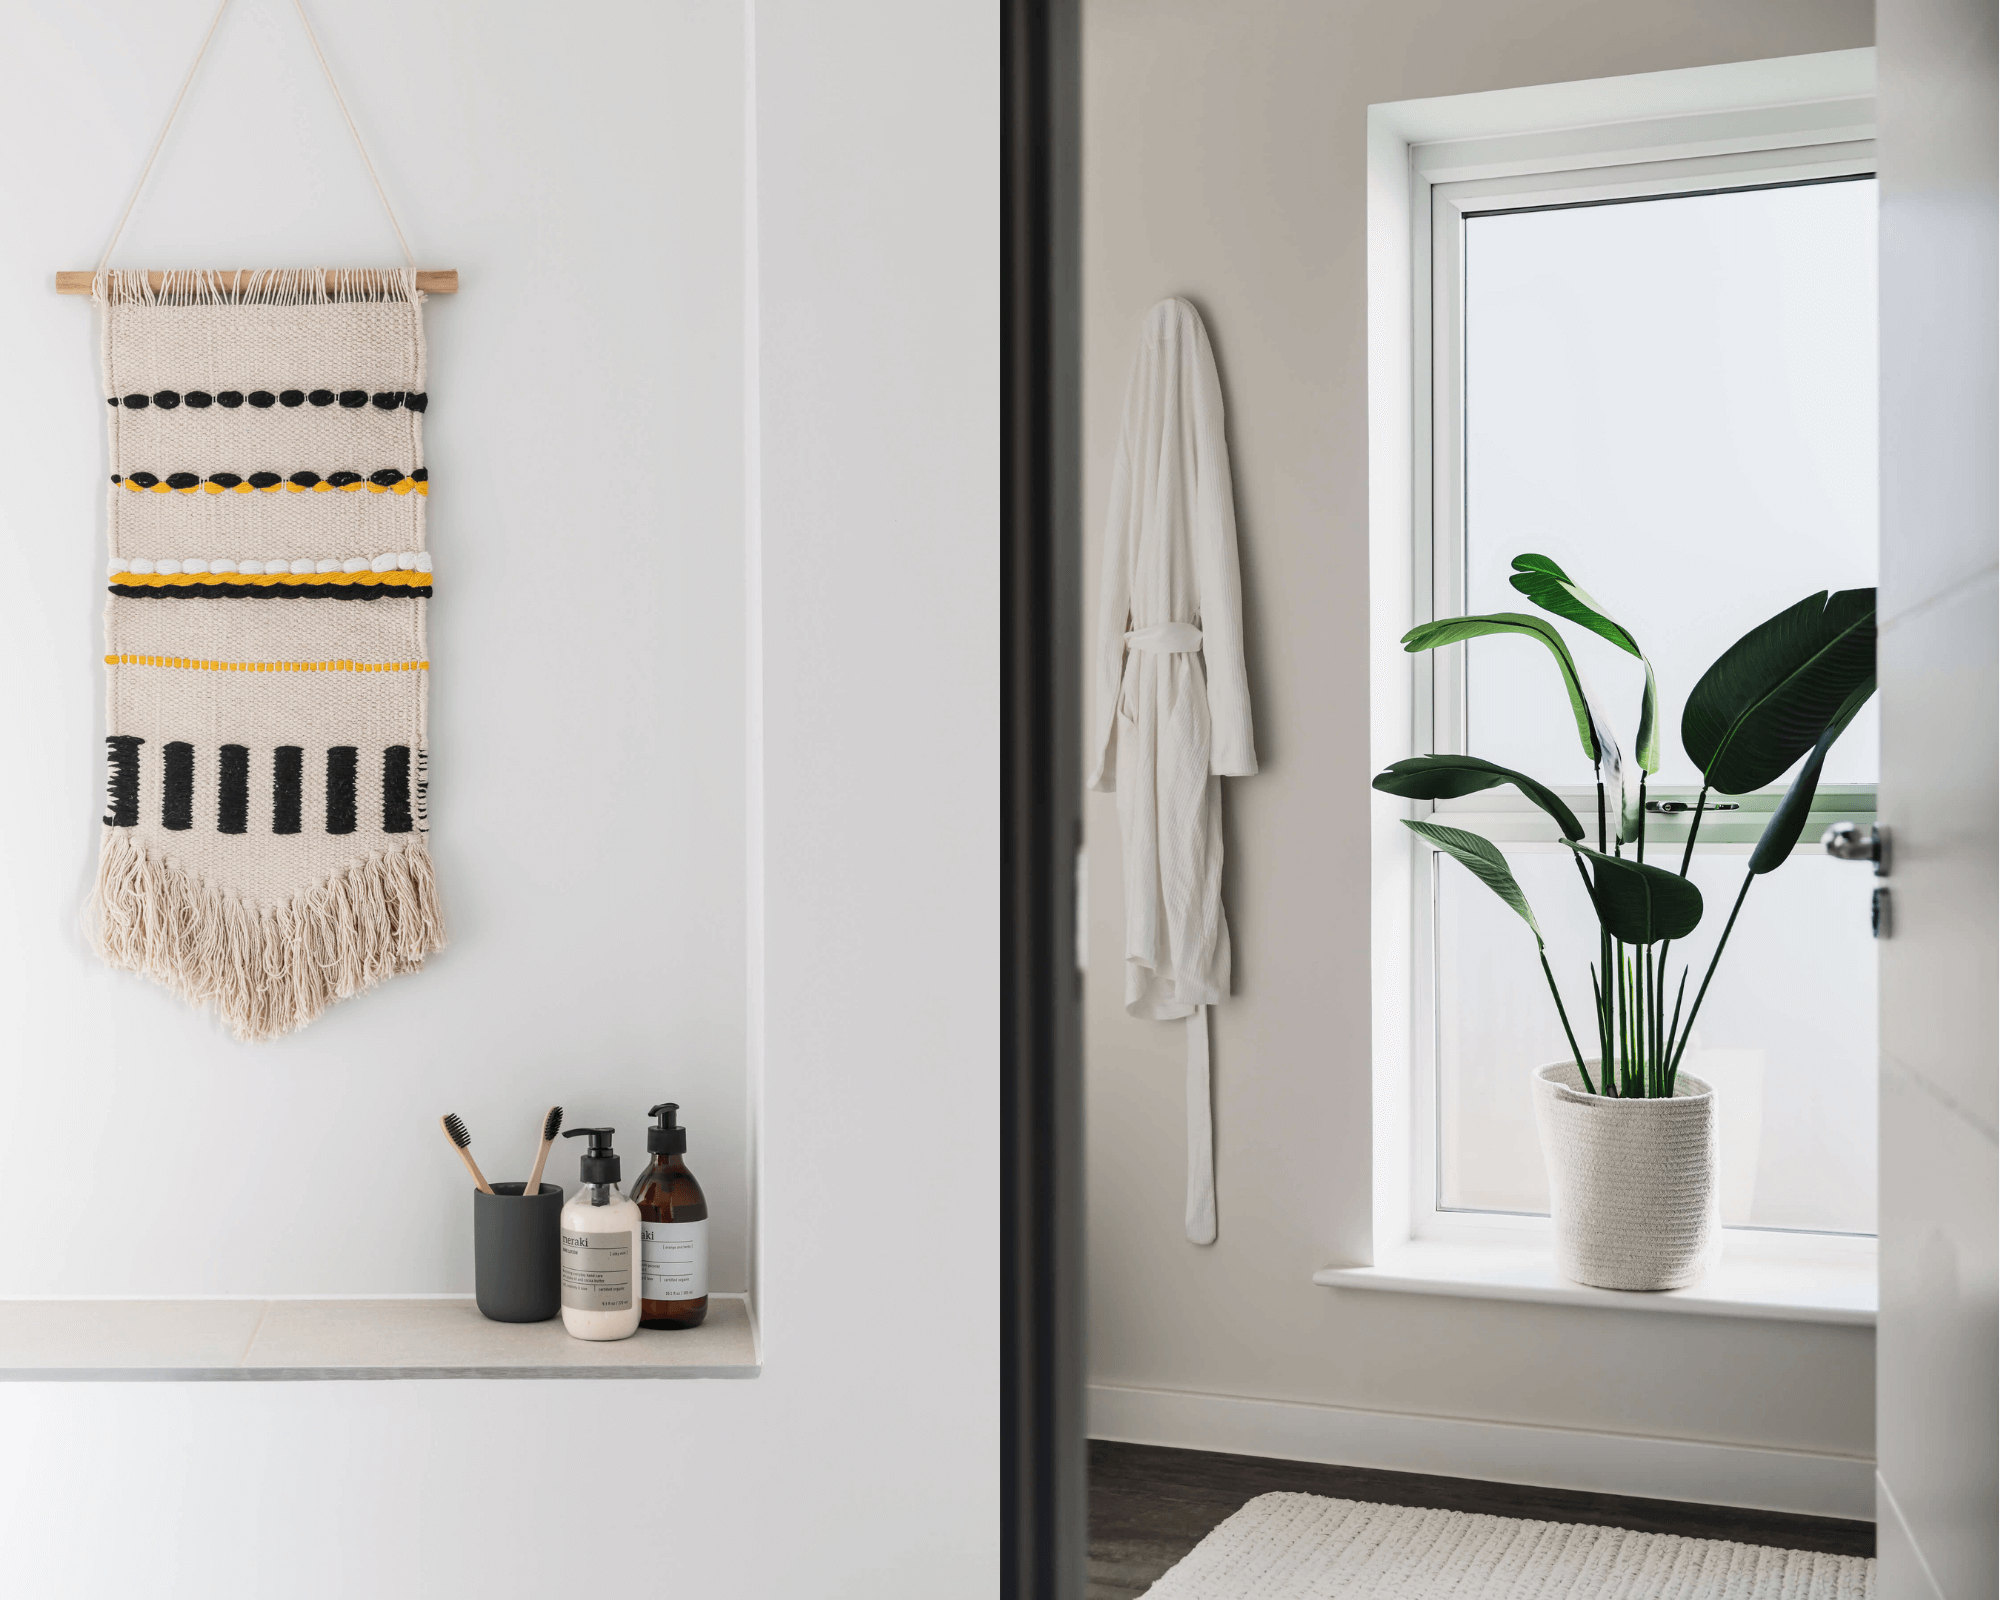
[(289, 286), (266, 969)]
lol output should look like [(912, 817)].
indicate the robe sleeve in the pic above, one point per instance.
[(1114, 610), (1232, 752)]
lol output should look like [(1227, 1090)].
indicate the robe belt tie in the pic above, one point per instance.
[(1165, 638)]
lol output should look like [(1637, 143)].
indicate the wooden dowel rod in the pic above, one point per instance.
[(79, 282)]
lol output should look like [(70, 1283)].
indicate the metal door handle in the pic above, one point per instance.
[(1849, 843)]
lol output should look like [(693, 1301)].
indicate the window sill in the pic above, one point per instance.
[(1771, 1277), (192, 1341)]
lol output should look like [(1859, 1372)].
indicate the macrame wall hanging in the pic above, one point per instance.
[(265, 847)]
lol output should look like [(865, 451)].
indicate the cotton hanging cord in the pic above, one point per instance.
[(145, 172), (153, 155), (409, 260)]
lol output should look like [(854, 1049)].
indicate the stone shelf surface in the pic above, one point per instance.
[(180, 1341)]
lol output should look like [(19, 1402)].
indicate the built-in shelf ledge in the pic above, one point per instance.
[(1754, 1278), (184, 1341)]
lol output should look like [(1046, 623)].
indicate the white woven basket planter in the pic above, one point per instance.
[(1631, 1182)]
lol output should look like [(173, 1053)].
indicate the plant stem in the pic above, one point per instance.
[(1603, 849), (1607, 1063), (1642, 816), (1687, 855), (1588, 1086), (1661, 1032), (1614, 981), (1694, 827), (1597, 998), (1635, 1049), (1679, 995), (1625, 1018), (1650, 1041), (1673, 1070)]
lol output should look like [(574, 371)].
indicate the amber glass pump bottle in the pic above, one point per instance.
[(673, 1229)]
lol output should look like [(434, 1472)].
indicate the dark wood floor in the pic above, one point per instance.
[(1150, 1506)]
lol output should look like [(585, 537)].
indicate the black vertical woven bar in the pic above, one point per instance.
[(340, 768), (396, 817), (122, 751), (177, 787), (232, 794), (288, 764)]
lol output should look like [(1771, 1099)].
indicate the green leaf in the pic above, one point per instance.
[(1593, 727), (1551, 588), (1789, 820), (1640, 904), (1450, 777), (1484, 861), (1769, 696)]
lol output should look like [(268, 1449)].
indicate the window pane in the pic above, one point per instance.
[(1787, 1034), (1674, 399)]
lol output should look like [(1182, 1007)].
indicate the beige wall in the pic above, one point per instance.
[(1224, 160)]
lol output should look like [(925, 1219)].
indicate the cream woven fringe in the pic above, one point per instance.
[(287, 286), (267, 969)]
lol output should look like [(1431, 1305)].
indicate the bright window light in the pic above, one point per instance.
[(1675, 399)]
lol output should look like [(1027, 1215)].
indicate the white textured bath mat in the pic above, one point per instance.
[(1304, 1547)]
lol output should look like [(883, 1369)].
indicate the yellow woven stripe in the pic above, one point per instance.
[(400, 486), (180, 580), (266, 666)]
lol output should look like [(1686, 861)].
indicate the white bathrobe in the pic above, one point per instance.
[(1173, 704)]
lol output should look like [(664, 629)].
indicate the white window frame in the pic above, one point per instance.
[(1431, 163)]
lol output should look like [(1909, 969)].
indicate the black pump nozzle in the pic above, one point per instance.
[(666, 1137), (598, 1164)]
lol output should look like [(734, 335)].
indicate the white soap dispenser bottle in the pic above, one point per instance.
[(600, 1247)]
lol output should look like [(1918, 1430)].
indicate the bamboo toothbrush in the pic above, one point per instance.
[(551, 1125), (461, 1141)]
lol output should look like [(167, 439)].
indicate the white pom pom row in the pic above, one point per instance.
[(395, 561)]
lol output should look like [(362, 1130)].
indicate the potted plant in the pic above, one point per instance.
[(1628, 1136)]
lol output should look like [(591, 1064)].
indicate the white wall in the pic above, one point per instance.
[(532, 148), (1226, 160)]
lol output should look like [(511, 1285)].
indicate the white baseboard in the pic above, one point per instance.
[(1500, 1452)]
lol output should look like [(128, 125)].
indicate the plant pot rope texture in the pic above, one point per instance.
[(1632, 1183)]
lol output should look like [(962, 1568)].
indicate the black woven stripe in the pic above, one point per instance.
[(396, 790), (264, 399), (387, 477), (340, 765), (271, 591), (232, 795), (177, 794), (122, 750), (288, 789)]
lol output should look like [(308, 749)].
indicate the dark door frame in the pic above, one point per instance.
[(1042, 1487)]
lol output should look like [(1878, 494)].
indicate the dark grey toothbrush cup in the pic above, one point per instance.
[(517, 1252)]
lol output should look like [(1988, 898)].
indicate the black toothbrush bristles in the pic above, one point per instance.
[(552, 1123), (460, 1136)]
